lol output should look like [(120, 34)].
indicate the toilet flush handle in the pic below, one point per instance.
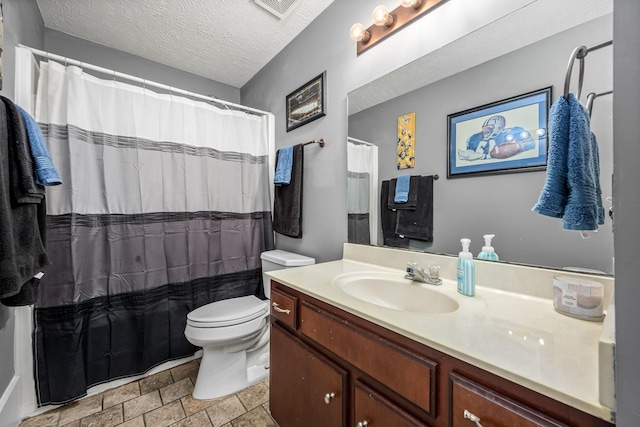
[(278, 309)]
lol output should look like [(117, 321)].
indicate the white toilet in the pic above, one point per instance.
[(234, 335)]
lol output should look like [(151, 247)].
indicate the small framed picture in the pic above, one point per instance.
[(406, 141), (307, 103), (502, 137)]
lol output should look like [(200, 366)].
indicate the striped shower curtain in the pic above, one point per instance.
[(362, 192), (164, 207)]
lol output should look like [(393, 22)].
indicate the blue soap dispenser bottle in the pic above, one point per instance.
[(488, 253), (466, 270)]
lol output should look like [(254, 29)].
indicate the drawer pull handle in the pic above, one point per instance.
[(329, 397), (469, 416), (280, 310), (362, 424)]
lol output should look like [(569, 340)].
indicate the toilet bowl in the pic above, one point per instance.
[(234, 335)]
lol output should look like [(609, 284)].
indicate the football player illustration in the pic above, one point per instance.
[(497, 141)]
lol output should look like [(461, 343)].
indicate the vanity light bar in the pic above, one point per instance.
[(395, 20)]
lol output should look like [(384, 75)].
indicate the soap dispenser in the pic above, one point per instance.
[(488, 253), (466, 270)]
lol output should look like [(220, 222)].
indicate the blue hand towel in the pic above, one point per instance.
[(572, 187), (583, 210), (284, 165), (553, 197), (46, 173), (402, 189)]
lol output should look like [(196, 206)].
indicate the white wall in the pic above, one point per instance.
[(626, 111)]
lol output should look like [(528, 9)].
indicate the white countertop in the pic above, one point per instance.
[(516, 336)]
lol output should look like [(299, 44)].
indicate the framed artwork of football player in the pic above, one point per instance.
[(502, 137)]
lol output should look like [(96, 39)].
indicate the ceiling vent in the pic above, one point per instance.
[(280, 8)]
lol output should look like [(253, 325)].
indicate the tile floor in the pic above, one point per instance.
[(162, 399)]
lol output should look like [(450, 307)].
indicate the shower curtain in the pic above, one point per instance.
[(362, 192), (164, 207)]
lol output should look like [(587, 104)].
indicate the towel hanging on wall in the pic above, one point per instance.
[(287, 206)]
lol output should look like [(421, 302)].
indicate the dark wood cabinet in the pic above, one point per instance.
[(471, 402), (332, 368), (371, 409), (306, 388)]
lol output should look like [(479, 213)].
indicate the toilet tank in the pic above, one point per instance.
[(278, 259)]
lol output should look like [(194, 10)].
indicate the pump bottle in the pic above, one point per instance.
[(488, 253), (466, 270)]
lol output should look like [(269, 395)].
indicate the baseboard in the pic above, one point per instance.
[(10, 404)]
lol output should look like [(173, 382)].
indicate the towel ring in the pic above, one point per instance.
[(578, 53), (592, 97)]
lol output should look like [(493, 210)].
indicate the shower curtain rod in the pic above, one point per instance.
[(144, 82), (358, 141)]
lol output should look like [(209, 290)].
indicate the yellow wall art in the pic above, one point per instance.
[(406, 141)]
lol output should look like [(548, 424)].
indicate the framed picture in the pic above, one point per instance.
[(306, 103), (406, 141), (502, 137)]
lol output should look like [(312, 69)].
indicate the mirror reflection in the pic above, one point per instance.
[(499, 204)]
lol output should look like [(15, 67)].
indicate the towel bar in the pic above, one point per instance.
[(319, 142), (579, 53)]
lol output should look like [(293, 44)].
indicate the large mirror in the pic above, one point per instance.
[(499, 204)]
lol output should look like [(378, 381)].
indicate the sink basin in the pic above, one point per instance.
[(390, 291)]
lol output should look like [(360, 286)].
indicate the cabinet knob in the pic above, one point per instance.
[(364, 423), (469, 416), (278, 309), (329, 397)]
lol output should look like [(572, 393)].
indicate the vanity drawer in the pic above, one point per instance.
[(491, 408), (406, 373), (283, 307), (373, 410)]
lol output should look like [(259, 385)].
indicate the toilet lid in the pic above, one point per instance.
[(228, 312)]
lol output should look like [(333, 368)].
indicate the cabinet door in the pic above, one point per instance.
[(473, 405), (410, 375), (305, 388), (373, 410)]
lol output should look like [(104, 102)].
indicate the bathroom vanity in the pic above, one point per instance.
[(502, 358)]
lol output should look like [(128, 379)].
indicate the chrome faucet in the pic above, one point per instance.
[(420, 275)]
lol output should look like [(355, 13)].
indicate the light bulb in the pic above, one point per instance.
[(358, 33), (382, 17), (411, 3)]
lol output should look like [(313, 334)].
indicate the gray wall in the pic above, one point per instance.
[(324, 45), (92, 53), (501, 204), (22, 24), (626, 111)]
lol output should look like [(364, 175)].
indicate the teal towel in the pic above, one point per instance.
[(572, 187), (46, 173), (284, 164), (402, 189)]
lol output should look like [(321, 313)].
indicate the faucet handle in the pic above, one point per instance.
[(434, 271), (411, 267)]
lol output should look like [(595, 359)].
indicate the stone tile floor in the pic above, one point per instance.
[(159, 400)]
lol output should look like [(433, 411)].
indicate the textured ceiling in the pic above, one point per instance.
[(228, 41)]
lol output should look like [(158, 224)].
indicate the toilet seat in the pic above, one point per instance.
[(229, 312)]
